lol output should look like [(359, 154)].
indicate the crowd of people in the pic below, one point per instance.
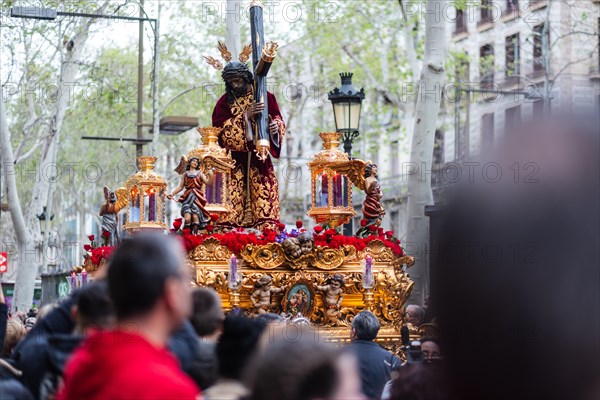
[(142, 332), (515, 289)]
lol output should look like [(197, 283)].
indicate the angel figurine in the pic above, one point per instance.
[(194, 179), (364, 176), (113, 203)]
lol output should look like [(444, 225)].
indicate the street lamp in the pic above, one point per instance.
[(346, 102), (42, 218)]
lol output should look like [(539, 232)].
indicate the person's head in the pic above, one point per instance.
[(207, 315), (301, 368), (422, 382), (237, 344), (337, 281), (306, 242), (147, 276), (270, 318), (238, 79), (430, 347), (15, 331), (370, 170), (193, 162), (365, 326), (46, 309), (264, 282), (95, 309), (30, 323), (415, 314), (527, 239)]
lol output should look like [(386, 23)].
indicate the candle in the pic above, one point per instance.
[(233, 272), (152, 205), (84, 277), (338, 197), (73, 281), (324, 190), (368, 272)]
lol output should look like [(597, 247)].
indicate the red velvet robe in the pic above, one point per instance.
[(262, 182)]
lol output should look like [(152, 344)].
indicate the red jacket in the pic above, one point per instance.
[(120, 365)]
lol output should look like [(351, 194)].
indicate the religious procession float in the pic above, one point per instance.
[(230, 225)]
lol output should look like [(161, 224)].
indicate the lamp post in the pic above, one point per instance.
[(346, 102)]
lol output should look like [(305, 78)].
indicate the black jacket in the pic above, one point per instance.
[(375, 364)]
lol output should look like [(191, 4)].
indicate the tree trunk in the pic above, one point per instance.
[(419, 170), (30, 241)]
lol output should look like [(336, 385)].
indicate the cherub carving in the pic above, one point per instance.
[(332, 297), (261, 297)]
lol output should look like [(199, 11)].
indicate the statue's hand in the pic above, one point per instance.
[(273, 128), (254, 109)]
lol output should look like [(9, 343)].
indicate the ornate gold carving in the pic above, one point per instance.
[(269, 256), (226, 54), (210, 250), (245, 53)]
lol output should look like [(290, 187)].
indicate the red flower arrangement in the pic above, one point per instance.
[(281, 227), (97, 254), (298, 224), (236, 240), (177, 223), (318, 229)]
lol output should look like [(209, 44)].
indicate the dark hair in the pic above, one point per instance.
[(189, 163), (369, 169), (138, 271), (237, 344), (270, 317), (295, 369), (208, 315), (422, 382), (94, 306), (366, 325)]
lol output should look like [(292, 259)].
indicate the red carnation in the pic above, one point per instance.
[(105, 234), (389, 234), (318, 229), (372, 228), (214, 217), (91, 237), (177, 223), (380, 231), (298, 224), (281, 226), (363, 222), (87, 247), (210, 228), (330, 232)]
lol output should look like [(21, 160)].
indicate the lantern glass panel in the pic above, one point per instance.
[(339, 193), (214, 190), (322, 190), (134, 206), (150, 206), (347, 115)]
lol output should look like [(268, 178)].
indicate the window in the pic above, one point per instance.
[(485, 12), (512, 7), (461, 21), (512, 119), (512, 56), (438, 149), (487, 131), (486, 66), (538, 49)]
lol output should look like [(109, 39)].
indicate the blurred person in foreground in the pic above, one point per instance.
[(207, 320), (296, 365), (376, 363), (237, 345), (521, 248), (149, 285), (93, 314)]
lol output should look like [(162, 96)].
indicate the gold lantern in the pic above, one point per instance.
[(146, 194), (215, 157), (331, 191)]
